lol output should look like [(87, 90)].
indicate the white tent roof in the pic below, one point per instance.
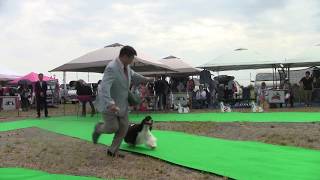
[(7, 74), (240, 59), (97, 60), (177, 64), (310, 57)]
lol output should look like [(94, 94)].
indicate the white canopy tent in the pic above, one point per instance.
[(97, 60), (7, 74), (181, 67), (310, 57), (244, 59), (241, 59)]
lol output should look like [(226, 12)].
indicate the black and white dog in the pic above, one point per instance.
[(141, 134)]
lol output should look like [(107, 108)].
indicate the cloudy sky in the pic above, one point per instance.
[(39, 35)]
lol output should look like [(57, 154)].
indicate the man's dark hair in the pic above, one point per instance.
[(40, 74), (128, 51), (308, 72)]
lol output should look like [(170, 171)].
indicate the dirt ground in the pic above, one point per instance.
[(39, 149)]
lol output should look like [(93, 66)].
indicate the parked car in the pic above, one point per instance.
[(226, 82), (69, 94)]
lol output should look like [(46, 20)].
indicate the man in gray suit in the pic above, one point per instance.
[(113, 99)]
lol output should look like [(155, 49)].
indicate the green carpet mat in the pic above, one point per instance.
[(234, 117), (226, 117), (28, 174), (235, 159)]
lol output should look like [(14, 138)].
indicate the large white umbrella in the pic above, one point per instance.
[(97, 60), (240, 59)]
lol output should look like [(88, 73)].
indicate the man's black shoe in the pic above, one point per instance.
[(109, 153), (95, 137)]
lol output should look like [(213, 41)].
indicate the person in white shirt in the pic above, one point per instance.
[(262, 95)]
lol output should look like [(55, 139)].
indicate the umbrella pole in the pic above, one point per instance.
[(288, 73), (274, 77), (275, 70), (165, 108)]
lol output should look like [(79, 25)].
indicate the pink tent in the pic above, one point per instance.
[(33, 77)]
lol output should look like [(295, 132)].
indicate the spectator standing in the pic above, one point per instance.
[(41, 95), (262, 95), (24, 95), (307, 85), (85, 95)]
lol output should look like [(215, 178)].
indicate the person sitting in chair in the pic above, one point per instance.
[(201, 96)]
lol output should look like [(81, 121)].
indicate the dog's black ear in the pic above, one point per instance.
[(148, 118)]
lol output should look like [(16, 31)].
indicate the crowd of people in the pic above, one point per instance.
[(213, 91), (157, 94)]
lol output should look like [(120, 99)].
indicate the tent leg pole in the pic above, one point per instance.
[(273, 77), (65, 91)]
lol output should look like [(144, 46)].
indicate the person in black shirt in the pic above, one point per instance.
[(307, 84), (24, 95), (161, 88), (85, 95), (158, 91)]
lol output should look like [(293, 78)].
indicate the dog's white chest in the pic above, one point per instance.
[(224, 108), (142, 136), (145, 137)]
